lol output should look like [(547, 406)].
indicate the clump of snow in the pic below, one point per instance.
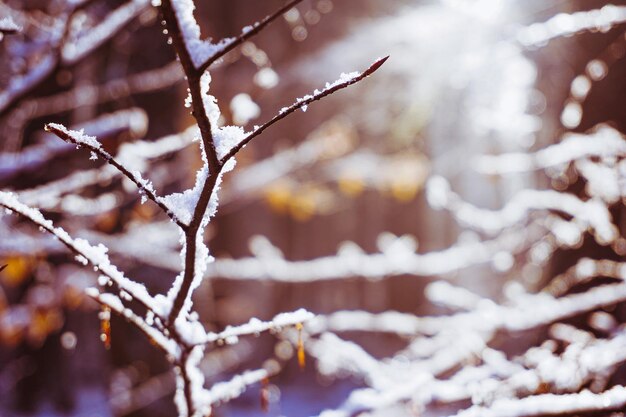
[(437, 192), (183, 204), (226, 138), (199, 50), (78, 136), (8, 25), (343, 78)]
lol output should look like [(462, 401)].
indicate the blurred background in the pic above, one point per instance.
[(464, 78)]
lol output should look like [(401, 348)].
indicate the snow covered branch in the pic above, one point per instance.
[(85, 253), (247, 33), (145, 187), (344, 81), (564, 24), (520, 297), (254, 326)]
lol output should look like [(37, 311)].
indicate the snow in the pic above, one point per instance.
[(591, 212), (434, 366), (7, 24), (597, 69), (78, 136), (563, 24), (96, 255), (225, 391), (134, 156), (580, 87), (343, 78), (536, 405), (146, 189), (601, 141), (199, 50), (115, 304), (302, 102), (183, 204), (256, 326), (412, 374), (226, 138), (357, 263), (76, 50), (21, 83), (203, 399)]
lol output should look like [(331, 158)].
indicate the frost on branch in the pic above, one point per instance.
[(199, 50)]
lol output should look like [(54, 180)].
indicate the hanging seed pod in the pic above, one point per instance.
[(301, 354), (265, 395), (105, 326)]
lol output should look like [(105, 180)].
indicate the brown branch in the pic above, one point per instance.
[(295, 106), (214, 165), (109, 159), (256, 28), (193, 234), (193, 79), (47, 227)]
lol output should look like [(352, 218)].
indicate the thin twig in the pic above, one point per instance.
[(150, 194), (137, 321), (256, 28), (295, 106), (64, 238)]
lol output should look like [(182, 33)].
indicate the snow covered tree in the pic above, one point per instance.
[(168, 320), (515, 290)]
